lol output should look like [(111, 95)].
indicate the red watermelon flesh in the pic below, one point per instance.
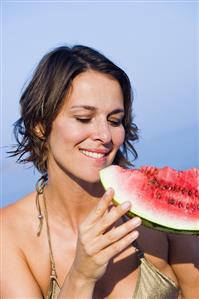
[(164, 198)]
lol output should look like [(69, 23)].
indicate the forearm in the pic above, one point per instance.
[(75, 287)]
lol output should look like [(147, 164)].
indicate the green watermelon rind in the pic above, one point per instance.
[(148, 223), (157, 226)]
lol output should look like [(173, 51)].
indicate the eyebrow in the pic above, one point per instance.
[(92, 108)]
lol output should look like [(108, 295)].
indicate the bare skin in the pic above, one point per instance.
[(90, 242), (28, 269)]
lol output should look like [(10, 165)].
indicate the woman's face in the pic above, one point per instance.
[(88, 130)]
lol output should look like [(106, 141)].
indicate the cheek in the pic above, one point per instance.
[(118, 137), (67, 133)]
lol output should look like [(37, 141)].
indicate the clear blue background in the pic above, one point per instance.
[(155, 42)]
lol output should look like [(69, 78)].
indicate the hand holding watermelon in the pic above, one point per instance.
[(99, 240), (166, 199)]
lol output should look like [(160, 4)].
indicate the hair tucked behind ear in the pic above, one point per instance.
[(44, 96)]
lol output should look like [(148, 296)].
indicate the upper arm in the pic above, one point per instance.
[(184, 259), (17, 281)]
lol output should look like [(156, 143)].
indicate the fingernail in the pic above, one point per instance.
[(109, 191), (136, 221), (126, 205)]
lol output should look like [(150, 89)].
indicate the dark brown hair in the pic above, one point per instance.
[(43, 98)]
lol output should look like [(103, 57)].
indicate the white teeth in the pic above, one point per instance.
[(91, 154)]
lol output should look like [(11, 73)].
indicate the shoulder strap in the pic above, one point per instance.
[(53, 269), (40, 191), (138, 251)]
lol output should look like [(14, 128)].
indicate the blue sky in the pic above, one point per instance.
[(156, 42)]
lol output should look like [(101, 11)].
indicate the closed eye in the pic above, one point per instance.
[(83, 119), (115, 123)]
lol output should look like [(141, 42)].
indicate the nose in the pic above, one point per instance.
[(102, 132)]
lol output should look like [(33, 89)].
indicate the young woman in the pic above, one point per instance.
[(66, 239)]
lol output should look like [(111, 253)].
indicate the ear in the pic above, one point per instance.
[(39, 131)]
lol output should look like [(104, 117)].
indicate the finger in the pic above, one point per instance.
[(115, 234), (116, 213), (101, 207), (106, 254)]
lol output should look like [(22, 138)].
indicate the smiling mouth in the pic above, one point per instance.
[(93, 154)]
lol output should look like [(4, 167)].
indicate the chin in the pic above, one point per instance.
[(85, 178), (91, 178)]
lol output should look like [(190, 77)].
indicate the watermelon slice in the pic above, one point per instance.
[(165, 199)]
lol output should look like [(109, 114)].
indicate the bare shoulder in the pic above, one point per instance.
[(15, 215), (17, 223), (19, 226)]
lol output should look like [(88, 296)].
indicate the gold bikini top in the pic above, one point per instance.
[(151, 283)]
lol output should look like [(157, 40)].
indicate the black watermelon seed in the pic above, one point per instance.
[(171, 201), (180, 204)]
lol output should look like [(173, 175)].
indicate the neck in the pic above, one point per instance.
[(70, 200)]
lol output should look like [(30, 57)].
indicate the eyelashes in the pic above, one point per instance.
[(83, 120), (114, 122)]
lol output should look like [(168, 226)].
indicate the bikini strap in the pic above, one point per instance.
[(138, 251), (40, 191)]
